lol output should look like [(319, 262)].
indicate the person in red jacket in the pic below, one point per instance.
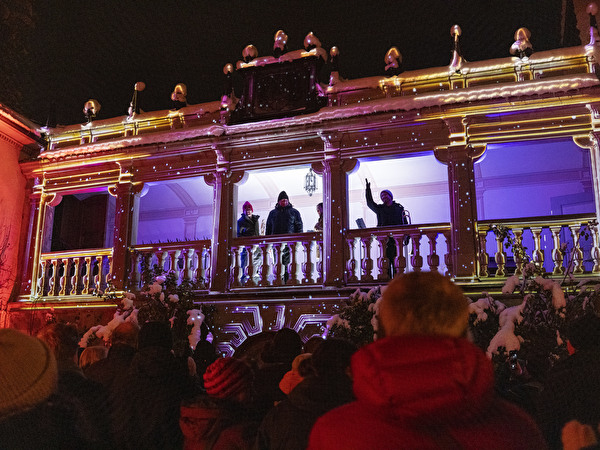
[(421, 384)]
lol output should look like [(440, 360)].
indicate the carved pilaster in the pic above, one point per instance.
[(335, 209), (464, 249), (591, 142)]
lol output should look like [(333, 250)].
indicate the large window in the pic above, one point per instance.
[(541, 178), (175, 210)]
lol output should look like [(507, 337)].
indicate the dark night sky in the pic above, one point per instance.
[(71, 51)]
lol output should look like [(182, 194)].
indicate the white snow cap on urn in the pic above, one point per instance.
[(91, 108), (179, 94), (592, 10), (393, 62), (280, 44), (249, 53), (311, 41), (522, 47)]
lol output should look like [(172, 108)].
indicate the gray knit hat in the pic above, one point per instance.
[(28, 372)]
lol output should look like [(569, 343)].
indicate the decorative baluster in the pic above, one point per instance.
[(416, 260), (200, 270), (538, 253), (293, 270), (400, 260), (98, 278), (188, 255), (307, 266), (367, 263), (65, 289), (264, 268), (76, 278), (557, 254), (448, 255), (351, 263), (577, 252), (383, 263), (518, 258), (237, 273), (207, 266), (595, 250), (251, 268), (320, 262), (277, 264), (108, 277), (433, 260), (484, 258), (43, 281), (160, 258), (500, 257), (54, 281), (87, 278)]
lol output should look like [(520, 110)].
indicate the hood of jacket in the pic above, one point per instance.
[(426, 378)]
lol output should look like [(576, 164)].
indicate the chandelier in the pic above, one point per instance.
[(310, 183)]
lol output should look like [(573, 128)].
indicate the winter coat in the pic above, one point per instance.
[(386, 215), (284, 220), (571, 391), (146, 399), (113, 366), (288, 425), (425, 392), (248, 226), (209, 424)]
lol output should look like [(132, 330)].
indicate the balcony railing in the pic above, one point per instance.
[(188, 260), (77, 272), (569, 244), (561, 246)]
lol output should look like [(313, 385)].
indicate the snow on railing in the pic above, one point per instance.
[(76, 272), (189, 260)]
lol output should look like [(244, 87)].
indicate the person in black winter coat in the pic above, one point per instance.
[(572, 388), (287, 426), (146, 399), (388, 213), (247, 225), (284, 219)]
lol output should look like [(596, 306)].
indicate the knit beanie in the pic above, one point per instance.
[(227, 377), (28, 372), (282, 195), (246, 206), (388, 192)]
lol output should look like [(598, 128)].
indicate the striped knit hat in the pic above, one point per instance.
[(28, 372), (227, 377)]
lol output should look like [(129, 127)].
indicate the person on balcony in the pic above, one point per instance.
[(422, 384), (388, 213), (248, 225), (284, 219), (319, 224)]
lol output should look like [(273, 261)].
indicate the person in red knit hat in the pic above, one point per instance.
[(422, 384), (223, 418)]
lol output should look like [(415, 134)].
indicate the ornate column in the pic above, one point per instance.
[(224, 186), (126, 192), (459, 156), (591, 142), (335, 209)]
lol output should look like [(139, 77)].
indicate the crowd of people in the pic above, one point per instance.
[(421, 384)]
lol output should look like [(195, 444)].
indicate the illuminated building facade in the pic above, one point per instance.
[(511, 142)]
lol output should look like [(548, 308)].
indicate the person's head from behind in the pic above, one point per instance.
[(155, 334), (229, 379), (332, 358), (285, 346), (423, 303), (386, 197), (28, 372), (126, 333), (62, 339), (92, 354), (283, 199)]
